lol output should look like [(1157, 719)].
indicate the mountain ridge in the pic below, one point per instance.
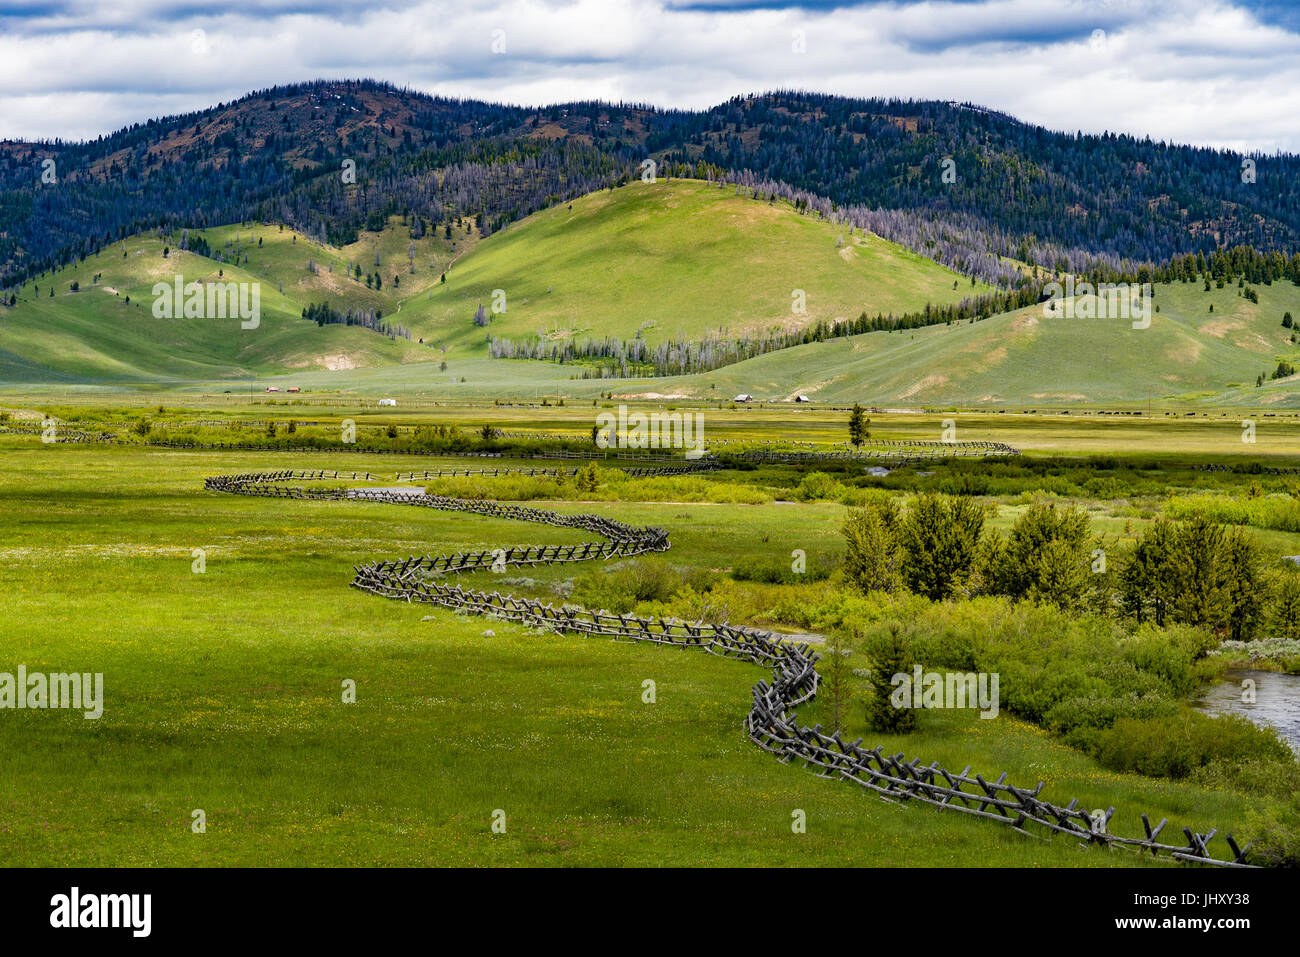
[(1012, 189)]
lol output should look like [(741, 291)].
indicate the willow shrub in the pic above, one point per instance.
[(1279, 512), (1175, 746)]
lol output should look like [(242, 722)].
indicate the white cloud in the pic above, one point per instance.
[(1188, 71)]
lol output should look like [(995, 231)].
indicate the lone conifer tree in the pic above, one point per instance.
[(889, 658), (837, 678), (858, 423)]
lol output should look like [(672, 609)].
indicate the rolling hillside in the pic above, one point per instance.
[(105, 331), (676, 259), (1023, 357), (1188, 355), (673, 259)]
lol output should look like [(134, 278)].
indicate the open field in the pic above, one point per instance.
[(1162, 433), (223, 687)]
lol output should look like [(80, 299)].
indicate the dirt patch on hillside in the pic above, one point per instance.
[(1184, 351), (1219, 328), (929, 382)]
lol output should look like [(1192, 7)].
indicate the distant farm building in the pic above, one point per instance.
[(802, 398), (388, 402), (272, 388), (743, 397), (293, 388)]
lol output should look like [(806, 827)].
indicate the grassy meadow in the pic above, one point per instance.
[(223, 688)]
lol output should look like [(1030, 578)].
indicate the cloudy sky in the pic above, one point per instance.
[(1216, 72)]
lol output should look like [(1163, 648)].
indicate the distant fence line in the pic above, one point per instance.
[(609, 456), (634, 472), (891, 452), (772, 722), (1252, 469), (61, 434), (897, 453)]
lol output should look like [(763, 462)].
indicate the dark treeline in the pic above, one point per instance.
[(323, 314), (962, 185)]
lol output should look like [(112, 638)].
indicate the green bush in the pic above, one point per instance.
[(872, 560), (1278, 512), (779, 570), (623, 587), (938, 540), (816, 486), (1275, 832), (1175, 746)]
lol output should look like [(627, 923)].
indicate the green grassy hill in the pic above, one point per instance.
[(105, 331), (670, 258), (1187, 353), (667, 259)]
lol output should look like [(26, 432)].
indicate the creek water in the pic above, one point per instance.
[(1277, 701)]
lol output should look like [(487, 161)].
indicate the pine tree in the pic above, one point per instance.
[(889, 657), (858, 423), (588, 478), (939, 539), (837, 678)]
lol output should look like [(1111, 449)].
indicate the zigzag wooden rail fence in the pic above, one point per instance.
[(898, 453), (1252, 469), (60, 433), (772, 722)]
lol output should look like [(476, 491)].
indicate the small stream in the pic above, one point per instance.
[(1277, 701)]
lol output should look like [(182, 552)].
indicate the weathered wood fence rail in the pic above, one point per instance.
[(1254, 469), (898, 453), (60, 433), (633, 472), (772, 721)]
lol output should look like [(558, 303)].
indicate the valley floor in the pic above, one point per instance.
[(224, 687)]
